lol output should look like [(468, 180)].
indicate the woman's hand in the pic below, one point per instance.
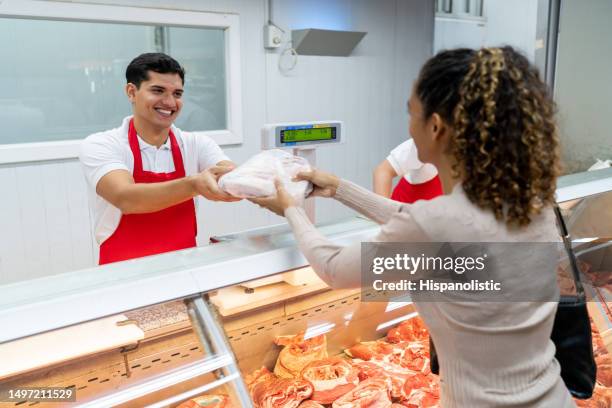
[(324, 184), (277, 204)]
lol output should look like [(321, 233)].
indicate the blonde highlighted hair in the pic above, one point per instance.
[(504, 141)]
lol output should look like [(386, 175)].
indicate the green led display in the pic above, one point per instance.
[(307, 135)]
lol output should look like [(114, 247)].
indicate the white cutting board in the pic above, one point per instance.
[(65, 344)]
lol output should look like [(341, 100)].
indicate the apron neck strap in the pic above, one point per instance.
[(177, 157)]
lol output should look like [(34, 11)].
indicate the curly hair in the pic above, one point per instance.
[(504, 139)]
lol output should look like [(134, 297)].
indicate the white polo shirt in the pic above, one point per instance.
[(405, 161), (106, 151)]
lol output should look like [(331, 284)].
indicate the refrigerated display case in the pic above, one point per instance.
[(585, 200), (150, 332), (224, 319)]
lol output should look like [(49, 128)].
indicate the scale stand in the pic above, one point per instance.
[(303, 138), (310, 154)]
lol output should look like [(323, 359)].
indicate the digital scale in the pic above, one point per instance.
[(303, 138)]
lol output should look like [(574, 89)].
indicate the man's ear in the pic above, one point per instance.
[(437, 126), (130, 91)]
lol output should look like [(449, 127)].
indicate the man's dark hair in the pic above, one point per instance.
[(138, 70)]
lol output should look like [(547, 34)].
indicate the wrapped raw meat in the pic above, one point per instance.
[(409, 330), (372, 393), (280, 393), (208, 401), (332, 378), (297, 353), (255, 178)]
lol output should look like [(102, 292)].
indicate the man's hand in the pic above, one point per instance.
[(206, 184)]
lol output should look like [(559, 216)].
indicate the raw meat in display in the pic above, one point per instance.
[(602, 394), (297, 353), (366, 370), (263, 374), (422, 399), (409, 330), (208, 401), (413, 383), (310, 404), (602, 398), (331, 378), (370, 350), (414, 357), (421, 391), (402, 362), (372, 393), (255, 178), (280, 393)]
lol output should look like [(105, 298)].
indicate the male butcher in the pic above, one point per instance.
[(143, 176)]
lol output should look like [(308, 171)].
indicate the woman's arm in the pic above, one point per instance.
[(338, 266), (373, 206), (365, 202)]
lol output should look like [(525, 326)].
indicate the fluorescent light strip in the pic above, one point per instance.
[(318, 330), (163, 381), (395, 321), (391, 306), (194, 392), (584, 240)]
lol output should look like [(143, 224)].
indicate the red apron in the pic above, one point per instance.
[(409, 193), (166, 230)]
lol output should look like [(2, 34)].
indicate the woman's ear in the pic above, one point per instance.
[(437, 126)]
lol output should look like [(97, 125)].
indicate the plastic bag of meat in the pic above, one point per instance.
[(255, 178), (331, 377)]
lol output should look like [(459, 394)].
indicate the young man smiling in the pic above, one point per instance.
[(143, 176)]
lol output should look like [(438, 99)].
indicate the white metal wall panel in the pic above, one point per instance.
[(46, 226)]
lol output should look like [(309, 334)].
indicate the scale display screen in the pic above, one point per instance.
[(307, 134)]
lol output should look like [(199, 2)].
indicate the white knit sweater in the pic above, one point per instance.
[(495, 354)]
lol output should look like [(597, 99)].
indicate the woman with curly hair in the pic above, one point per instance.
[(486, 121)]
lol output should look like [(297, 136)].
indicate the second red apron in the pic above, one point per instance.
[(406, 192)]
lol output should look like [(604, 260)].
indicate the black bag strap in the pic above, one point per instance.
[(567, 243)]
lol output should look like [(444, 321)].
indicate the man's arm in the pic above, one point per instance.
[(383, 177), (118, 188)]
